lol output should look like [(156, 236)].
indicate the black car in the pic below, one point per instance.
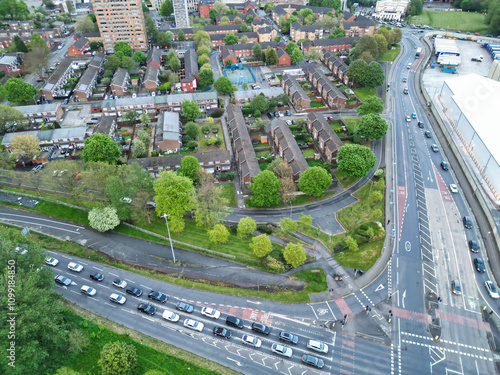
[(313, 361), (269, 115), (96, 276), (479, 264), (157, 296), (222, 332), (147, 309), (293, 122), (287, 113), (467, 222), (288, 337), (474, 246), (134, 291), (445, 166), (420, 124), (428, 134), (261, 328), (234, 321), (183, 306)]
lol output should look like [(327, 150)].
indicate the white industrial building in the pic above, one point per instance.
[(471, 104), (393, 10)]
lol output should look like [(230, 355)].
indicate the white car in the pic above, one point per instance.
[(126, 200), (211, 313), (252, 341), (119, 283), (282, 350), (171, 316), (408, 119), (88, 290), (491, 288), (116, 298), (454, 188), (21, 250), (52, 262), (75, 267), (317, 346), (193, 324)]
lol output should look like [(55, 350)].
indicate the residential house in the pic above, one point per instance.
[(210, 162), (231, 18), (92, 37), (295, 92), (348, 16), (60, 27), (190, 80), (188, 32), (221, 29), (284, 58), (266, 34), (334, 45), (78, 48), (151, 81), (42, 113), (245, 49), (324, 136), (97, 61), (168, 132), (204, 8), (331, 95), (63, 137), (8, 63), (286, 11), (218, 39), (154, 57), (54, 86), (257, 23), (228, 56), (244, 153), (311, 32), (241, 96), (207, 101), (284, 144), (107, 125), (359, 27), (21, 25), (83, 90), (337, 66), (120, 82)]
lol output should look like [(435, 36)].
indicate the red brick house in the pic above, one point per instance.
[(228, 54), (78, 48), (334, 45), (284, 58)]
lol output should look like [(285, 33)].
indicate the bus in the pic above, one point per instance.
[(419, 51)]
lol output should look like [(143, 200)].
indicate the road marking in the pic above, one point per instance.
[(403, 299), (380, 287), (314, 312)]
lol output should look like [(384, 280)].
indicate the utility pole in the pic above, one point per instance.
[(165, 216)]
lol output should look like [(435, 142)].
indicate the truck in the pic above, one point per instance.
[(419, 51), (478, 59)]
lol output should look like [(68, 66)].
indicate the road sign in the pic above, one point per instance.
[(25, 231)]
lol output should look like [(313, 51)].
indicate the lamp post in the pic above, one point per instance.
[(165, 216)]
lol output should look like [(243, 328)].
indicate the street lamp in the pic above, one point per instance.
[(165, 216)]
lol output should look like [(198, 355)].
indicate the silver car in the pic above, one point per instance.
[(282, 350)]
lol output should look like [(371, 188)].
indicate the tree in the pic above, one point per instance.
[(118, 358), (174, 63), (174, 195), (261, 245), (206, 77), (351, 243), (124, 48), (230, 38), (366, 44), (218, 234), (296, 56), (371, 105), (103, 219), (237, 21), (201, 35), (294, 254), (314, 54), (63, 17), (374, 75), (190, 167), (245, 28), (385, 33), (211, 206), (269, 7), (9, 116), (203, 50), (19, 44), (17, 91), (416, 7), (260, 103), (190, 109), (220, 7), (84, 24), (25, 147), (290, 47), (167, 8), (246, 227), (280, 168), (265, 189), (37, 58), (145, 122), (367, 57), (66, 181), (100, 148), (224, 20), (257, 50), (396, 35), (288, 225), (213, 14), (164, 39), (139, 149), (271, 56), (355, 160), (223, 85), (314, 181), (140, 57), (305, 219), (180, 36), (244, 39), (192, 130), (357, 71), (372, 126), (381, 44), (249, 19), (376, 196)]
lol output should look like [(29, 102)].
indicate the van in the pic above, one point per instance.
[(409, 66), (234, 322)]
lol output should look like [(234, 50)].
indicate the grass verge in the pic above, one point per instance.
[(463, 21), (391, 54), (344, 180), (229, 193), (365, 93)]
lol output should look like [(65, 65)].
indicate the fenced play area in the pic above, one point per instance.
[(239, 74)]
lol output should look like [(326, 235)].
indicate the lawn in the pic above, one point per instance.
[(317, 105), (312, 97), (308, 152), (364, 93), (345, 181), (229, 193), (263, 165), (280, 77), (264, 153), (391, 55), (313, 163), (351, 124), (203, 144), (463, 21)]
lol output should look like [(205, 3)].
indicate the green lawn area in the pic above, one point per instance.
[(229, 193), (280, 77), (351, 124), (344, 180), (391, 55), (317, 105), (312, 97), (203, 144), (308, 152), (463, 21), (313, 163), (364, 93), (263, 165), (264, 153)]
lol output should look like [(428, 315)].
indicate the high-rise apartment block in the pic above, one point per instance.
[(121, 21), (181, 13)]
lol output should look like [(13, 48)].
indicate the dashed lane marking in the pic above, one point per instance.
[(448, 350)]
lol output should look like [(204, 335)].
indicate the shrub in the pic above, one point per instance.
[(192, 145), (273, 263), (247, 111), (153, 154), (264, 229), (217, 112), (354, 139), (215, 130), (379, 173), (205, 129), (257, 113), (228, 175), (341, 246)]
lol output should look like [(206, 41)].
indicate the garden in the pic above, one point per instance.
[(203, 137)]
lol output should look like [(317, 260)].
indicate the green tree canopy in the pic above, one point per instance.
[(374, 75), (218, 234), (213, 14), (288, 225), (103, 219), (180, 36), (372, 126), (357, 71), (271, 56), (381, 44), (223, 85), (100, 148), (230, 38), (17, 91), (191, 168), (190, 109), (296, 56), (139, 149), (140, 57), (192, 129), (257, 50), (211, 206), (124, 48), (314, 54), (314, 181), (371, 105), (118, 358), (416, 7), (261, 245), (294, 254), (246, 226), (356, 160), (265, 189), (290, 47), (166, 8), (260, 103), (305, 219), (206, 77), (397, 34), (9, 116), (366, 44)]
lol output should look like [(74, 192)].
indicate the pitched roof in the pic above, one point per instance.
[(80, 43), (88, 77), (290, 147), (120, 77), (296, 91), (280, 52), (330, 42), (151, 73), (105, 125), (221, 27), (154, 56), (226, 52), (264, 45), (360, 21), (325, 131), (190, 65), (231, 17), (97, 60), (250, 94), (174, 161), (239, 35)]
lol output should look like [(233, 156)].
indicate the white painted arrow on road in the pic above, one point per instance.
[(254, 302), (235, 361), (403, 300)]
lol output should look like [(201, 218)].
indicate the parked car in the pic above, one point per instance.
[(96, 276), (52, 262), (193, 324), (235, 322), (282, 350), (479, 264), (261, 328), (146, 308), (88, 290), (170, 316), (288, 337), (317, 346), (467, 222), (183, 306), (252, 341), (287, 113), (455, 287), (59, 279), (222, 332), (75, 267), (134, 291), (116, 298), (474, 246), (492, 290), (211, 313)]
